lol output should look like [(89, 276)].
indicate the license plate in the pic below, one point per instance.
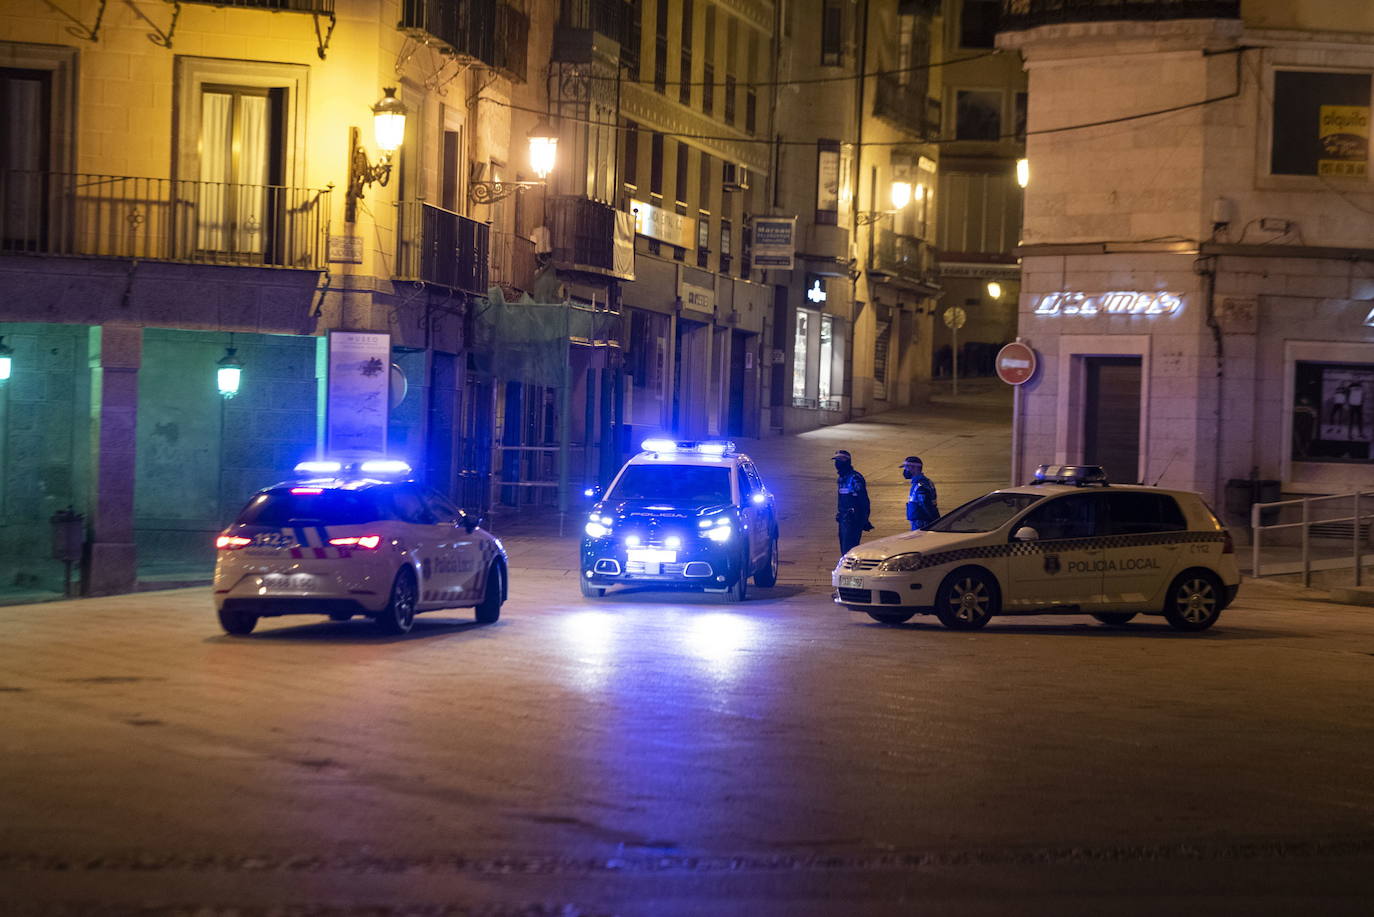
[(289, 580), (652, 556), (851, 582)]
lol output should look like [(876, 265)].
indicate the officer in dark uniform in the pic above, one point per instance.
[(852, 506), (920, 503)]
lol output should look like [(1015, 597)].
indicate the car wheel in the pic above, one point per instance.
[(1194, 601), (399, 615), (740, 588), (767, 576), (1115, 619), (490, 608), (238, 623), (891, 617), (967, 600), (588, 590)]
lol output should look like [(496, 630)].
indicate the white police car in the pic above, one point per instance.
[(683, 514), (1066, 543), (357, 539)]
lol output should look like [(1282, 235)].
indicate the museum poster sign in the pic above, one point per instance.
[(358, 402)]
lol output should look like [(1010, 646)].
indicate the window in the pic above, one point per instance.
[(25, 99), (1019, 116), (832, 33), (708, 75), (751, 96), (827, 182), (1321, 124), (282, 508), (656, 164), (1330, 423), (978, 23), (695, 484), (1137, 513), (661, 47), (977, 114), (726, 246), (985, 514), (731, 56), (799, 355), (684, 92), (240, 155), (632, 154), (684, 155), (1074, 516), (827, 356)]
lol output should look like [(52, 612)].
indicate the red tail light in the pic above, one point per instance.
[(232, 542), (1227, 545), (366, 542)]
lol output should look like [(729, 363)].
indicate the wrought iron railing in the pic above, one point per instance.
[(1027, 14), (162, 219), (442, 247), (904, 256), (495, 32), (276, 6), (583, 233), (904, 105), (612, 18)]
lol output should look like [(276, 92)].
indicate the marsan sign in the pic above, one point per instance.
[(1115, 303)]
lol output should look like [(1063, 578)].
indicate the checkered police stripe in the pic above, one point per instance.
[(1106, 542)]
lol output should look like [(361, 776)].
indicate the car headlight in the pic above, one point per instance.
[(596, 529), (720, 533), (901, 563)]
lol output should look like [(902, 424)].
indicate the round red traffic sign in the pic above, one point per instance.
[(1015, 363)]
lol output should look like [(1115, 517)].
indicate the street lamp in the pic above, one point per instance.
[(543, 155), (994, 289), (1023, 172), (389, 128), (230, 372), (900, 194), (6, 359)]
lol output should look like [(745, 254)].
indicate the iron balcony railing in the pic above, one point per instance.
[(1027, 14), (495, 32), (162, 219), (583, 233), (905, 257), (277, 6), (442, 247), (512, 261), (904, 105)]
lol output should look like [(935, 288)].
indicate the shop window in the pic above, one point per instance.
[(827, 359), (1331, 422), (799, 360), (1321, 124), (977, 114)]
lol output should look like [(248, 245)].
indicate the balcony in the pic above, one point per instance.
[(612, 18), (493, 32), (322, 7), (1027, 14), (904, 105), (161, 219), (441, 247), (512, 261), (904, 259), (585, 234)]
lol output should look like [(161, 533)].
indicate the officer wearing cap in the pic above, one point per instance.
[(920, 502), (852, 506)]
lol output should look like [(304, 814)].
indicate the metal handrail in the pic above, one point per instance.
[(1356, 518)]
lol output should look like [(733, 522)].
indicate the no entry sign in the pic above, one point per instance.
[(1015, 363)]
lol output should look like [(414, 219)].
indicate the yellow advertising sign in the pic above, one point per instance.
[(1345, 141)]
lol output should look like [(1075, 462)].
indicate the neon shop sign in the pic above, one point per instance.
[(1116, 303)]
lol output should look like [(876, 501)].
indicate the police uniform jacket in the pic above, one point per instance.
[(920, 506), (852, 505)]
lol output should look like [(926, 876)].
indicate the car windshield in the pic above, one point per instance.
[(985, 514), (694, 484), (282, 507)]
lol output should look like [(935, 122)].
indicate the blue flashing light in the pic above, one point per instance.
[(760, 499), (319, 467), (384, 466), (711, 447), (658, 445)]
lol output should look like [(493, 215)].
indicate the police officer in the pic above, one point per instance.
[(852, 506), (920, 502)]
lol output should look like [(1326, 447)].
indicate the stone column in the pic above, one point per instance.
[(116, 353)]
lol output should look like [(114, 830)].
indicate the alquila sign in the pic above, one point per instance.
[(1114, 303)]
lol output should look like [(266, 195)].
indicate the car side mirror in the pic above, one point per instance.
[(471, 523), (593, 493), (1026, 533)]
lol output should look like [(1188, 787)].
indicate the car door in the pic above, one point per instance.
[(1142, 548), (460, 555), (754, 510), (424, 538), (1063, 564)]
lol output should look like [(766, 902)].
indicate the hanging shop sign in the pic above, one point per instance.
[(1015, 363), (357, 406), (815, 290), (663, 225), (1114, 303), (775, 244)]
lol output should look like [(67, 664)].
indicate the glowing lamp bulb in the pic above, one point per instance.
[(901, 194)]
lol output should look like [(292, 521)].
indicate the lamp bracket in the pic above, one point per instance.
[(489, 192), (361, 173), (868, 217), (79, 29)]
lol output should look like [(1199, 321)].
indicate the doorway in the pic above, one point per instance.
[(1111, 416)]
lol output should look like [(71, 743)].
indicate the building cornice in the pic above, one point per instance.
[(654, 112)]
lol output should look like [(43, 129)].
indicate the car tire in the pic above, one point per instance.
[(488, 611), (588, 590), (967, 600), (739, 589), (1115, 618), (766, 576), (1194, 601), (238, 623), (399, 615), (891, 617)]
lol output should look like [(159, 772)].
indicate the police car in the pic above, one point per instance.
[(683, 513), (1069, 542), (357, 539)]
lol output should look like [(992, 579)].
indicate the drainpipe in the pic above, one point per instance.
[(1206, 268)]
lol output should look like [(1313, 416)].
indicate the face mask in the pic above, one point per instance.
[(842, 467), (906, 473)]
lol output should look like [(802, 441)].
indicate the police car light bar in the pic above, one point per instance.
[(1077, 475), (384, 466), (319, 467), (715, 447)]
